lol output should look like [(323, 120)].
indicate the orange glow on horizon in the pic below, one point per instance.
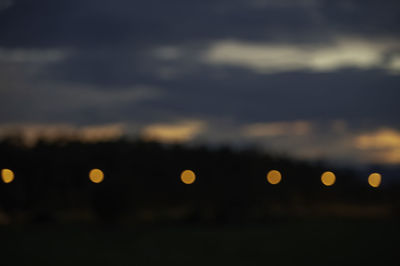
[(188, 177), (374, 180), (7, 175), (96, 176), (328, 178), (274, 177)]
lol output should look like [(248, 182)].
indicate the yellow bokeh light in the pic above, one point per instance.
[(328, 178), (374, 179), (274, 177), (7, 175), (96, 175), (188, 177)]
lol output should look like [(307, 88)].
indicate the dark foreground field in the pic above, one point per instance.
[(318, 242)]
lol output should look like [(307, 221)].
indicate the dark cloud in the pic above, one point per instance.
[(248, 97), (364, 97), (46, 23)]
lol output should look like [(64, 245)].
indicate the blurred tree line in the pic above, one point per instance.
[(142, 185)]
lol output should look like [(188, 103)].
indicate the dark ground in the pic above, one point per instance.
[(316, 242), (142, 214)]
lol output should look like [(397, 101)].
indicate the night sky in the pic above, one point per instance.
[(311, 78)]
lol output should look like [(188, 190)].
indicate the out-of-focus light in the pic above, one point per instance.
[(7, 175), (374, 179), (188, 177), (328, 178), (96, 175), (274, 177)]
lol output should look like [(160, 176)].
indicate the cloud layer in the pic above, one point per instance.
[(273, 58), (308, 77)]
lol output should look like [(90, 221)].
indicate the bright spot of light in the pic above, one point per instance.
[(188, 177), (374, 179), (328, 178), (96, 175), (7, 175), (274, 177)]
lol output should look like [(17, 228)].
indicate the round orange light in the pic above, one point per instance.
[(188, 177), (328, 178), (7, 175), (96, 175), (274, 177), (374, 180)]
